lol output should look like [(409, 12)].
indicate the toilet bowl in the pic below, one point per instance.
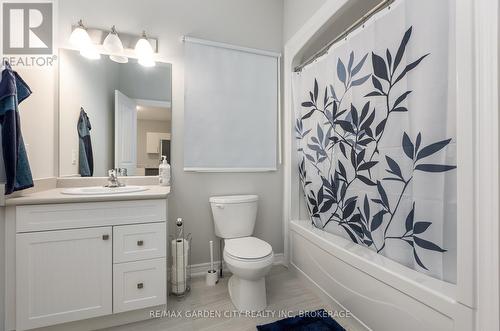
[(248, 258)]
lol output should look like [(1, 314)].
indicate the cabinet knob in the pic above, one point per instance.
[(105, 236), (140, 243), (140, 285)]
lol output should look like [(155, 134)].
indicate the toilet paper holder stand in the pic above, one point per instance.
[(180, 275)]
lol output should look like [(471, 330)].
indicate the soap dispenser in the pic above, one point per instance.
[(164, 172)]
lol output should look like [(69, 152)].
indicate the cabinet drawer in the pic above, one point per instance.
[(139, 285), (89, 214), (139, 242)]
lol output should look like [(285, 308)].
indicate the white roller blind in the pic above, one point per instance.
[(231, 108)]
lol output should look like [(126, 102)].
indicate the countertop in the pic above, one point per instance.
[(54, 195)]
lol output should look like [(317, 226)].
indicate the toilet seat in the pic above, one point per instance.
[(248, 248)]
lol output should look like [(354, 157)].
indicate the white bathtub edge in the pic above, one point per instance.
[(325, 296), (433, 293)]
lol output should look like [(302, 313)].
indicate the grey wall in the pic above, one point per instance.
[(296, 13), (251, 23), (138, 82)]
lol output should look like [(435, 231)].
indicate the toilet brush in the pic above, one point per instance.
[(212, 277)]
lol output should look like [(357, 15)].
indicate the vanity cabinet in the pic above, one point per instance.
[(76, 261)]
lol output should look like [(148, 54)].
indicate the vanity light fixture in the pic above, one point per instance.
[(91, 42), (144, 51), (113, 45)]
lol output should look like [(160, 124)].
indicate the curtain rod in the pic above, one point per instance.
[(344, 34)]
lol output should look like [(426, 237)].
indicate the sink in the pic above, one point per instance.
[(101, 190)]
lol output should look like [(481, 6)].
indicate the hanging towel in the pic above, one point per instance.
[(13, 91), (86, 159)]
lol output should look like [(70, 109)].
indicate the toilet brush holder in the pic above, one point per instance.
[(212, 277)]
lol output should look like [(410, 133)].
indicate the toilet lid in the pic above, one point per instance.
[(247, 248)]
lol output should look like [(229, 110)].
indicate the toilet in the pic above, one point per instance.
[(248, 258)]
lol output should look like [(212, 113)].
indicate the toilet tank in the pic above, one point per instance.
[(234, 215)]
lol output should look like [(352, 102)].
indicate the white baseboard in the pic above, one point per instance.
[(202, 268)]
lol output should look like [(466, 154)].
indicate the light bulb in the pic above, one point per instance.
[(112, 42), (144, 51), (79, 37), (143, 47)]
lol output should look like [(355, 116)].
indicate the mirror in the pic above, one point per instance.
[(112, 115)]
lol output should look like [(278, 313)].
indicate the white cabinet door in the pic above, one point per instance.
[(125, 133), (152, 143), (63, 276)]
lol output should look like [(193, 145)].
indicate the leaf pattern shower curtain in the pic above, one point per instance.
[(375, 129)]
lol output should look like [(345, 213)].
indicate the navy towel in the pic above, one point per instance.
[(13, 91), (85, 157), (318, 320)]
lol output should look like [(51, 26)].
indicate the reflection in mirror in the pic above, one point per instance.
[(112, 115)]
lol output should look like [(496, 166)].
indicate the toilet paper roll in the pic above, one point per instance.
[(180, 253), (179, 285)]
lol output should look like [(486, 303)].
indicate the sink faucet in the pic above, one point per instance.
[(113, 179)]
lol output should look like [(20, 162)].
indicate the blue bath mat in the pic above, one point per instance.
[(318, 320)]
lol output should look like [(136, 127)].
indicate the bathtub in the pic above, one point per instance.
[(380, 294)]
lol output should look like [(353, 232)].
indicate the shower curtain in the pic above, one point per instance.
[(376, 136)]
